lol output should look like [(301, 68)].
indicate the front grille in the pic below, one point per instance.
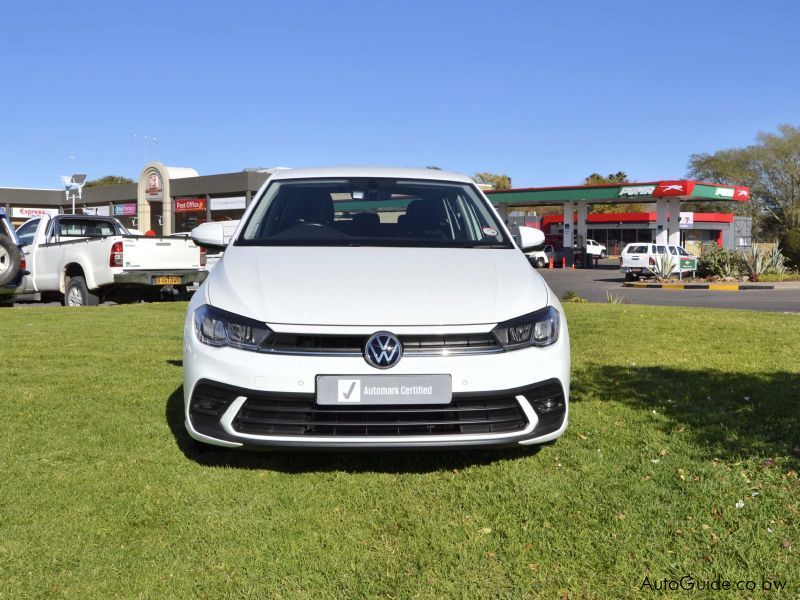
[(292, 417), (419, 345), (298, 415)]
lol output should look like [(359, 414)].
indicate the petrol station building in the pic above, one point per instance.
[(666, 225), (167, 200)]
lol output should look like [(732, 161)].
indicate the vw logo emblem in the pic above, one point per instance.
[(383, 350)]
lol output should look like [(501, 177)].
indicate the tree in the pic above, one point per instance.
[(108, 180), (497, 181), (597, 179), (770, 168), (612, 178)]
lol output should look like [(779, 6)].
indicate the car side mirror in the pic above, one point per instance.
[(210, 236), (529, 237)]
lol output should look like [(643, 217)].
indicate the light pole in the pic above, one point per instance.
[(72, 183)]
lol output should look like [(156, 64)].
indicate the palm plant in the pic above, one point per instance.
[(776, 262), (663, 267), (755, 262)]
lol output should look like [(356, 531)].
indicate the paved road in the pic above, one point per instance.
[(594, 284)]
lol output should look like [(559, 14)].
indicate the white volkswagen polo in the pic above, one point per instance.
[(373, 308)]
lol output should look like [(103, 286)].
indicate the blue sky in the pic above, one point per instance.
[(547, 92)]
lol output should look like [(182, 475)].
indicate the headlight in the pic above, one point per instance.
[(217, 327), (536, 329)]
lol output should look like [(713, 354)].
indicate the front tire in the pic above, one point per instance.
[(604, 254), (9, 261), (540, 263), (78, 294)]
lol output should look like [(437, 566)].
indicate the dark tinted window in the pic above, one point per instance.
[(373, 212), (85, 228)]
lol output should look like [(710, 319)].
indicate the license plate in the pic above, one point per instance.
[(163, 280), (636, 270), (355, 390)]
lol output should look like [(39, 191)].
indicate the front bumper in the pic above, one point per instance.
[(237, 398)]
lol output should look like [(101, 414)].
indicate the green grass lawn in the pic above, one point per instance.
[(677, 415)]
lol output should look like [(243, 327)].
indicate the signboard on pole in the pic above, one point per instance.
[(687, 220)]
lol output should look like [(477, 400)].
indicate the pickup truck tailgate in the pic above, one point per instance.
[(159, 254)]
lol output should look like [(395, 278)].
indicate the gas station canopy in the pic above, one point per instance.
[(667, 196), (683, 189)]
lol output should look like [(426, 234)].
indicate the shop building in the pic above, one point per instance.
[(165, 200)]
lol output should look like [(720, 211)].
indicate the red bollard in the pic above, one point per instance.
[(563, 262), (550, 266)]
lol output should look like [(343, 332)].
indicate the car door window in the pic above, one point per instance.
[(27, 232), (661, 249), (673, 250)]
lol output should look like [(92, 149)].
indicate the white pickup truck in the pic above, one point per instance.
[(85, 259), (641, 260)]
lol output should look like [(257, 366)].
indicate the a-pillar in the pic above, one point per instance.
[(569, 218), (662, 226), (675, 222)]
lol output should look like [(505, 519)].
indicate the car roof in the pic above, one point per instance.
[(366, 171), (91, 217)]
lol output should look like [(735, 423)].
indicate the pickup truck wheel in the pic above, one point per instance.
[(604, 254), (9, 260), (78, 294), (539, 263)]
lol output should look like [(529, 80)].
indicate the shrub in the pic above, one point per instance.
[(718, 262), (571, 296), (756, 262), (790, 246), (776, 263), (613, 298)]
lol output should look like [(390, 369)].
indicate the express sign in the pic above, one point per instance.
[(27, 213)]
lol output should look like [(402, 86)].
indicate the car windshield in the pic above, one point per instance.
[(372, 212)]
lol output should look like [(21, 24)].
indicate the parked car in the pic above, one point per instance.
[(12, 265), (541, 256), (596, 249), (640, 259), (85, 258), (373, 308)]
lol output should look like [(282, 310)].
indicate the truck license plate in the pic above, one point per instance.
[(164, 280)]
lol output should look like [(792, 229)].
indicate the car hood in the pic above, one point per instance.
[(376, 286)]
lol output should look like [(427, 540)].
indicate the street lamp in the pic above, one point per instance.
[(72, 183)]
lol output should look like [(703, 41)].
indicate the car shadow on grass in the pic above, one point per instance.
[(732, 415), (302, 461)]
